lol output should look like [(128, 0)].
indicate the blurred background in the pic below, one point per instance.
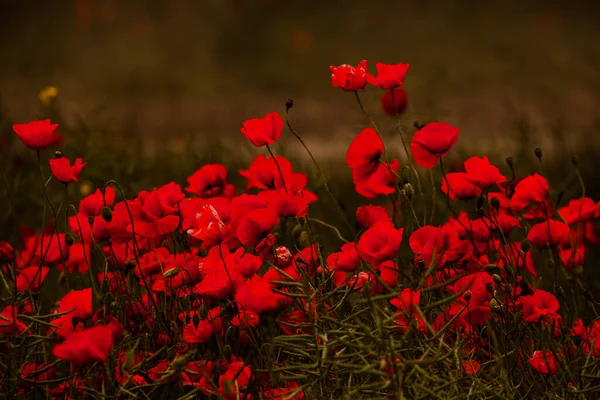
[(150, 90), (204, 66)]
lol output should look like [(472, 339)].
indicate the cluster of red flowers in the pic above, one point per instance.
[(202, 273)]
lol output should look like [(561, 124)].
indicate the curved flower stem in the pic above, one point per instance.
[(336, 230), (366, 114), (433, 196), (278, 168), (410, 159), (325, 184)]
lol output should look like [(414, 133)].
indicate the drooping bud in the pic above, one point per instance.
[(467, 295), (538, 153), (107, 214), (69, 239), (495, 202), (289, 103)]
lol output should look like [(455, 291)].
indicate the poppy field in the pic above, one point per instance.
[(445, 281)]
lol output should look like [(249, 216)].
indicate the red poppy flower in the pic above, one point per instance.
[(381, 182), (432, 141), (254, 226), (349, 78), (63, 171), (257, 295), (573, 258), (471, 367), (366, 216), (482, 173), (548, 233), (544, 362), (93, 203), (31, 278), (209, 227), (364, 152), (428, 241), (263, 131), (396, 105), (37, 135), (205, 329), (533, 189), (210, 181), (580, 210), (264, 173), (9, 324), (389, 76), (231, 388), (85, 347), (537, 305), (380, 243), (461, 187), (346, 260)]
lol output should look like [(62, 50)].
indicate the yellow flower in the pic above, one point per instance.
[(48, 94)]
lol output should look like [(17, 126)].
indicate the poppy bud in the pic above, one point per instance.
[(467, 295), (538, 153), (575, 161), (108, 299), (525, 246), (588, 296), (283, 256), (495, 203), (304, 240), (508, 287), (296, 231), (409, 191), (518, 317), (560, 291), (91, 220), (69, 239), (509, 161), (289, 103), (550, 263), (479, 203), (75, 321), (57, 154), (171, 273), (493, 304), (490, 288), (227, 351), (496, 278), (418, 125), (129, 264), (106, 214)]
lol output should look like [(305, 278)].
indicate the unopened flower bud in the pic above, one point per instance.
[(227, 351), (69, 239), (538, 153), (91, 220), (497, 278), (509, 161), (107, 214), (479, 203), (171, 273), (525, 246), (57, 154), (588, 296), (289, 103), (467, 295), (495, 203), (489, 287), (409, 191), (550, 263)]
